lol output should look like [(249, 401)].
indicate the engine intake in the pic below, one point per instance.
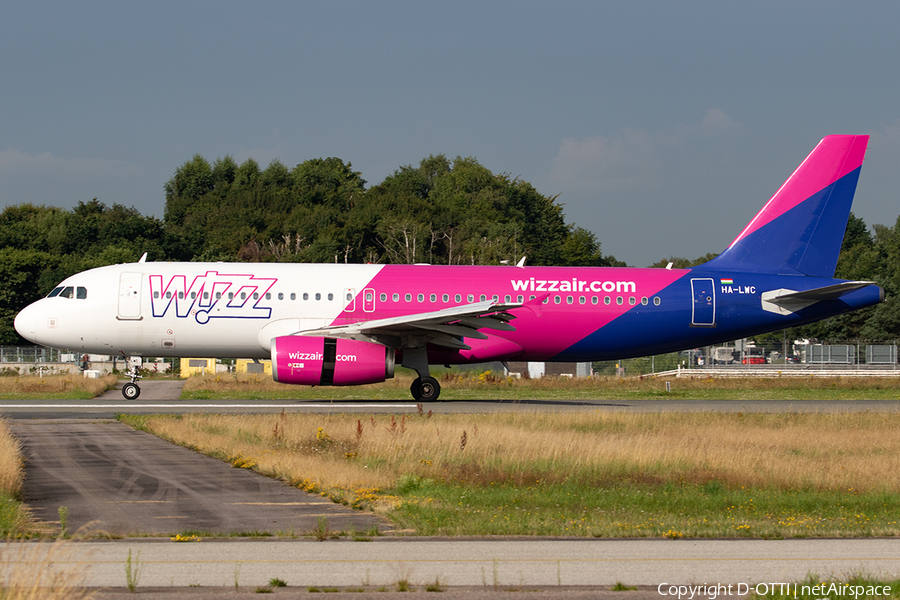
[(328, 361)]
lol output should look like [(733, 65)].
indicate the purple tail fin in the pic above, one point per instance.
[(800, 230)]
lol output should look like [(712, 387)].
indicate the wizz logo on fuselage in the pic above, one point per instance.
[(211, 296)]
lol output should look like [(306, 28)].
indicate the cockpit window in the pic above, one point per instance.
[(69, 292)]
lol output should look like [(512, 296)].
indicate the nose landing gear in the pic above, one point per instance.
[(132, 390)]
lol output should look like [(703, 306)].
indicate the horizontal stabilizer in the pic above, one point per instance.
[(785, 302)]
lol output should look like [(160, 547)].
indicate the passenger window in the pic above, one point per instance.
[(268, 295), (256, 295), (582, 300), (243, 295), (595, 300), (281, 295), (483, 298), (507, 298), (620, 300), (644, 301), (169, 295), (396, 297), (606, 300), (446, 298), (656, 300), (570, 300), (181, 295), (520, 298), (294, 296), (81, 293), (350, 297), (471, 298), (318, 296), (409, 298), (330, 297), (155, 295), (55, 292), (230, 295), (305, 296), (218, 295), (557, 299), (433, 298), (458, 298), (383, 297), (421, 297), (206, 295), (193, 295)]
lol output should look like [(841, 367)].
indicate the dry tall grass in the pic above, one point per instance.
[(859, 452), (56, 384), (11, 471), (31, 572)]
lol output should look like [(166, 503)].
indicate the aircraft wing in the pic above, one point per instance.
[(447, 327), (784, 301)]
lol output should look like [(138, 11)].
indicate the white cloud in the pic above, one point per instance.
[(625, 160), (14, 162), (630, 159)]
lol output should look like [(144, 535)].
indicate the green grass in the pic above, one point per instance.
[(643, 510), (12, 517)]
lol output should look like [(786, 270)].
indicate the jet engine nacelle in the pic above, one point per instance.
[(327, 361)]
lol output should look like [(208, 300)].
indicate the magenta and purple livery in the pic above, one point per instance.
[(349, 324)]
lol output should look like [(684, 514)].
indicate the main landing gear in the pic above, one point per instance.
[(426, 388), (131, 390)]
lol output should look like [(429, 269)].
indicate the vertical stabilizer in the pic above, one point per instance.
[(800, 230)]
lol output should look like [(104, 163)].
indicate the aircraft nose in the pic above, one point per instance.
[(25, 323)]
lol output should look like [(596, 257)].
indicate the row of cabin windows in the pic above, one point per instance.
[(607, 300), (244, 296), (79, 293)]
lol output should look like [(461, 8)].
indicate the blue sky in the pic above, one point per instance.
[(662, 126)]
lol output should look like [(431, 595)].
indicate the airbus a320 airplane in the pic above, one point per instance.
[(333, 324)]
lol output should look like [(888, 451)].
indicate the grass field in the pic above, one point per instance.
[(13, 520), (55, 387), (489, 386), (582, 474)]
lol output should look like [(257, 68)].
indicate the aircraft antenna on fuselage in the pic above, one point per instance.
[(143, 258)]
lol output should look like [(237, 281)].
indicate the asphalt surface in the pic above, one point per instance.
[(128, 483), (161, 396), (122, 482)]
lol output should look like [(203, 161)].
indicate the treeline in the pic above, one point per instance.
[(442, 211)]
